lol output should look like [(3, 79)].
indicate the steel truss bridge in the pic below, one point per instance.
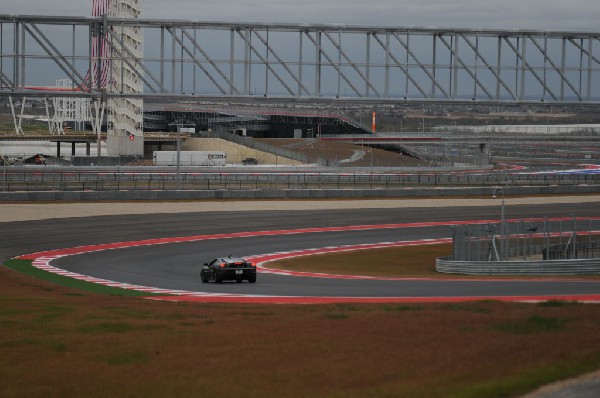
[(311, 63)]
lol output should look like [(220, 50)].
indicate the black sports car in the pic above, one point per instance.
[(228, 268)]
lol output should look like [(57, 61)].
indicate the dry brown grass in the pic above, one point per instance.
[(397, 262), (408, 261), (56, 342), (338, 151)]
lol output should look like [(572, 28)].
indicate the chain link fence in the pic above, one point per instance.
[(564, 238)]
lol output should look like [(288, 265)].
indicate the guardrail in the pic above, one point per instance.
[(522, 267)]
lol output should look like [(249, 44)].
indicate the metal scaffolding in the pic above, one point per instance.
[(300, 62)]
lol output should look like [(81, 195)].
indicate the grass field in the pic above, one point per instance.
[(409, 262), (57, 341)]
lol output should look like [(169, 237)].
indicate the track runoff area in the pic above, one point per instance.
[(43, 260)]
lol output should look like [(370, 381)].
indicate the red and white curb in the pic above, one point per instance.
[(42, 261), (591, 299)]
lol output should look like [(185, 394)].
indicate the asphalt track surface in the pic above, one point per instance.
[(176, 266)]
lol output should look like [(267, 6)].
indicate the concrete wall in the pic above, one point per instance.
[(121, 145), (235, 153)]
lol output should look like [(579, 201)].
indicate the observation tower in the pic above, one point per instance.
[(124, 115)]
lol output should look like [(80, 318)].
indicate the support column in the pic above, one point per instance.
[(73, 148), (58, 149), (87, 148)]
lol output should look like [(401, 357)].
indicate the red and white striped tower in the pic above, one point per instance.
[(97, 77), (374, 122)]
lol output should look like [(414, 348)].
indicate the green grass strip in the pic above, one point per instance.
[(527, 380), (26, 267)]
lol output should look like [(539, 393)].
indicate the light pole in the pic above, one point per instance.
[(178, 124), (4, 168), (178, 168), (496, 189)]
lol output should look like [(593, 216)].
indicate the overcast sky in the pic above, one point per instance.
[(507, 14)]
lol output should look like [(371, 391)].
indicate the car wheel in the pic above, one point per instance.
[(252, 279), (203, 277), (218, 278)]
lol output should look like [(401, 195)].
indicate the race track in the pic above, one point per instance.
[(174, 266)]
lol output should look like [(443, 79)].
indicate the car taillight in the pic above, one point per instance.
[(222, 265), (252, 264)]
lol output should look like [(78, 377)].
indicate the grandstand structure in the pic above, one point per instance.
[(260, 122)]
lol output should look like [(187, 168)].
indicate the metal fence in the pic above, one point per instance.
[(40, 178), (564, 238)]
